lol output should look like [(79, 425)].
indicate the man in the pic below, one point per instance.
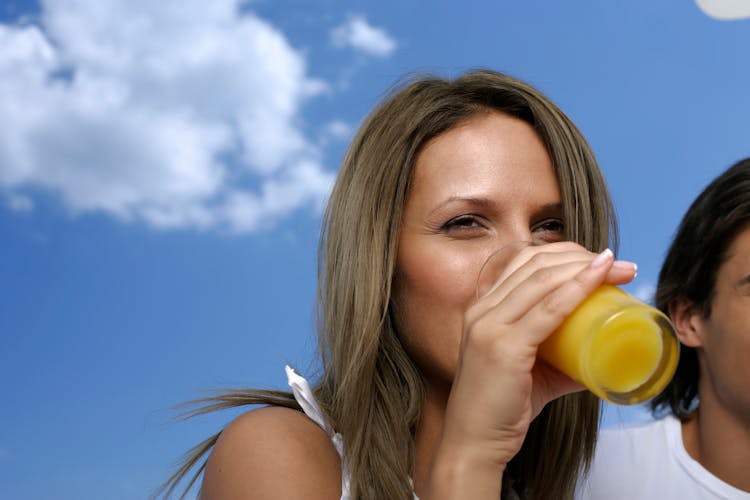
[(701, 448)]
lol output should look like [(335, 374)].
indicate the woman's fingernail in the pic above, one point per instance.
[(601, 259), (627, 265)]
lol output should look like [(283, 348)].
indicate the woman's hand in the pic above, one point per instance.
[(500, 386)]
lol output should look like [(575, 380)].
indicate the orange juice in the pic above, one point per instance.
[(621, 349)]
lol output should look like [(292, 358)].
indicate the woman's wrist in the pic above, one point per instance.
[(464, 472)]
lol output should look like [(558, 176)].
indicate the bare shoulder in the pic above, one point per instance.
[(272, 453)]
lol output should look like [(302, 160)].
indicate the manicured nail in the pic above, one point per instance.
[(624, 264), (601, 259)]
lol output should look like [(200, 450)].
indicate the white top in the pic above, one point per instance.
[(649, 461), (304, 396)]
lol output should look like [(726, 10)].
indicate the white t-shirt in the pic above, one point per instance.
[(649, 461)]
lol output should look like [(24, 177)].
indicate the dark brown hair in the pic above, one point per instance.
[(689, 271)]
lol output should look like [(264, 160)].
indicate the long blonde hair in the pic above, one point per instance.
[(369, 386)]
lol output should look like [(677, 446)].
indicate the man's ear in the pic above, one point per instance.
[(688, 321)]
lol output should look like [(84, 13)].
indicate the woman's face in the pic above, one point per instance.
[(477, 187)]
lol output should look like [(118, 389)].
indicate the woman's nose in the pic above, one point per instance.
[(517, 233)]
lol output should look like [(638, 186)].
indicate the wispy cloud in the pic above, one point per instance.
[(645, 292), (176, 113), (336, 130), (725, 10), (20, 203), (358, 34)]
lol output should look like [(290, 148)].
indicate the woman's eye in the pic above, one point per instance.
[(551, 229), (462, 222), (552, 225)]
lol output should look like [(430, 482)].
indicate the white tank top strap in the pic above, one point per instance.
[(306, 399)]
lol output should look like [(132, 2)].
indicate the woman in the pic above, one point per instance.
[(427, 390)]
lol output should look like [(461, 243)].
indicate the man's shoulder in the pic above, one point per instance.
[(630, 461), (654, 432), (640, 449)]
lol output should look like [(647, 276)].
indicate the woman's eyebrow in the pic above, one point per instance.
[(550, 208), (481, 201), (477, 201)]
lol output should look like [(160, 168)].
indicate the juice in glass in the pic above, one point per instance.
[(620, 348)]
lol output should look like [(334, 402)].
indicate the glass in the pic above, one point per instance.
[(621, 349)]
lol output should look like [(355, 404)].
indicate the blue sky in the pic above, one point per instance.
[(163, 166)]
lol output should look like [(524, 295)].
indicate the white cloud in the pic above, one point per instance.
[(725, 10), (335, 131), (302, 185), (162, 112), (358, 34), (645, 292), (338, 130), (20, 203)]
